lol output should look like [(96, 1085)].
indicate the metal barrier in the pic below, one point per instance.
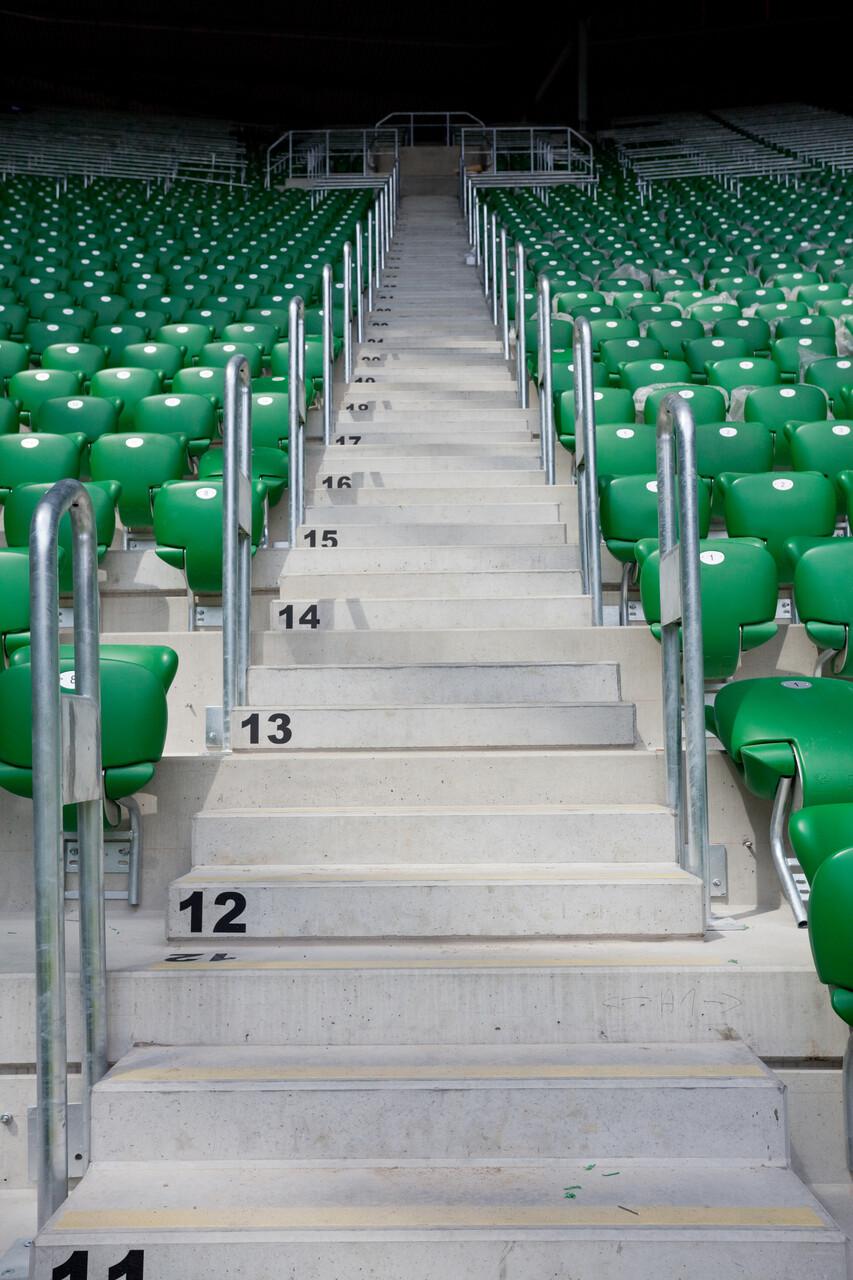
[(328, 353), (520, 333), (504, 293), (347, 314), (330, 153), (236, 548), (589, 524), (66, 761), (359, 276), (543, 381), (681, 630), (296, 394), (438, 124)]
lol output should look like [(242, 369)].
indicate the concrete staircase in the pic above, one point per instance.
[(422, 775)]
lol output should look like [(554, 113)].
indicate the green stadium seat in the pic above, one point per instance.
[(14, 596), (38, 335), (754, 331), (270, 420), (777, 506), (14, 357), (777, 406), (82, 358), (740, 372), (832, 376), (86, 415), (625, 450), (162, 357), (186, 338), (215, 355), (615, 352), (673, 333), (728, 449), (188, 530), (191, 416), (8, 417), (32, 387), (269, 466), (201, 381), (22, 502), (739, 592), (141, 464), (638, 374), (700, 353), (32, 459), (707, 404), (791, 355), (823, 594), (126, 386), (825, 446), (115, 337)]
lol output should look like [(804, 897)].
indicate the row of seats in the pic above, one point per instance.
[(741, 303)]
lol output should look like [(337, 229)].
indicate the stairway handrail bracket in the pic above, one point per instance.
[(66, 763)]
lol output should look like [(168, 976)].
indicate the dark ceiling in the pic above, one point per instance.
[(278, 65)]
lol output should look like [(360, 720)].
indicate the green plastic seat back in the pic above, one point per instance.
[(776, 726), (563, 375), (831, 375), (14, 591), (215, 355), (84, 358), (743, 372), (261, 335), (776, 506), (191, 416), (14, 357), (825, 446), (629, 513), (141, 463), (623, 449), (33, 386), (214, 318), (754, 331), (603, 330), (280, 361), (37, 459), (822, 837), (790, 354), (159, 659), (702, 352), (823, 592), (127, 385), (201, 380), (739, 590), (23, 501), (707, 404), (190, 337), (134, 720), (115, 337), (771, 311), (270, 419), (162, 357), (712, 312), (39, 335), (618, 351), (805, 327), (72, 414), (650, 373), (673, 333), (188, 530), (269, 465), (774, 406), (732, 447)]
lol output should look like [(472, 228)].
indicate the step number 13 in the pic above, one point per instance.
[(77, 1267)]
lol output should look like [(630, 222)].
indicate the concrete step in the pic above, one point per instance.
[(417, 560), (403, 478), (366, 613), (446, 534), (440, 900), (391, 495), (433, 586), (193, 1220), (298, 727), (303, 646), (407, 460), (401, 511), (509, 453), (434, 683), (379, 835), (441, 1102), (495, 440)]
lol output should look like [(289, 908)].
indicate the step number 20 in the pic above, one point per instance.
[(77, 1267)]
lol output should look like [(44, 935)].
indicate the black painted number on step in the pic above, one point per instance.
[(283, 732), (362, 408), (344, 482), (310, 617), (76, 1267), (329, 537), (371, 359), (225, 924)]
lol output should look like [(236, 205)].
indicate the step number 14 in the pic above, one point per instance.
[(76, 1267)]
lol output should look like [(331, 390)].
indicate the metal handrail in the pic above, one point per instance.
[(504, 293), (297, 409), (414, 120), (347, 254), (586, 463), (359, 276), (328, 352), (543, 381), (66, 762), (681, 630), (236, 539), (520, 334)]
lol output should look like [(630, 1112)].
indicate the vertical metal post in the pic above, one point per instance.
[(494, 266), (328, 353), (504, 295), (546, 404), (377, 248), (369, 260), (478, 251), (49, 870), (296, 397), (520, 333), (359, 282), (485, 249), (236, 538), (347, 312), (587, 466), (681, 603)]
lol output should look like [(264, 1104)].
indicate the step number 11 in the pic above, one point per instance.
[(77, 1267)]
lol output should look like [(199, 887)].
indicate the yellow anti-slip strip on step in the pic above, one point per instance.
[(549, 1071), (419, 1216)]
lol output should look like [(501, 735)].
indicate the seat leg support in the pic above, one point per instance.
[(779, 849)]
